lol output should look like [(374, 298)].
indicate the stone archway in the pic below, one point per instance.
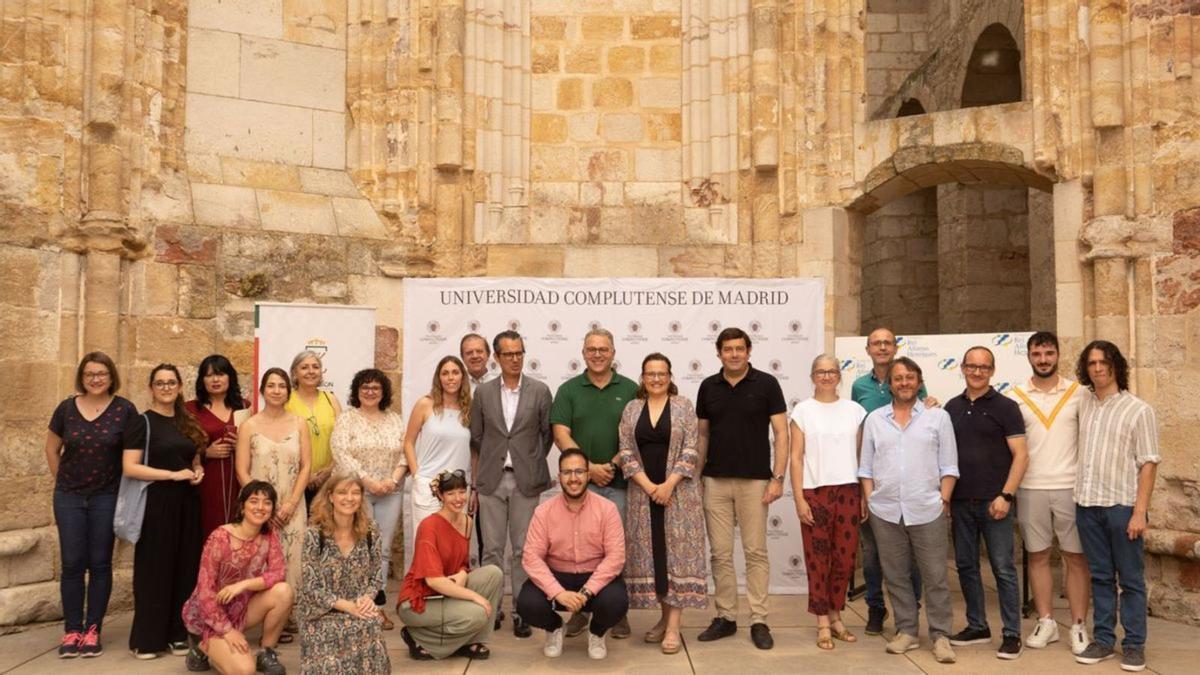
[(994, 69)]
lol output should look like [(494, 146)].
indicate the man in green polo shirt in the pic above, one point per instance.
[(586, 415)]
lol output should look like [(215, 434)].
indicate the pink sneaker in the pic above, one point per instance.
[(89, 645), (69, 647)]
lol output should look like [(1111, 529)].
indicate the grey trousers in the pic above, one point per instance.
[(505, 516), (929, 544), (449, 623)]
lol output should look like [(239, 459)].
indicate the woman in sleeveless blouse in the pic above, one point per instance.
[(319, 410), (438, 437), (218, 397), (273, 446)]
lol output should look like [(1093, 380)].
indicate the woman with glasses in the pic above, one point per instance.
[(439, 435), (218, 397), (273, 446), (826, 432), (319, 409), (368, 442), (339, 622), (165, 449), (664, 561), (84, 441), (459, 620)]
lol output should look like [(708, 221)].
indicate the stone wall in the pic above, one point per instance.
[(897, 43), (900, 262)]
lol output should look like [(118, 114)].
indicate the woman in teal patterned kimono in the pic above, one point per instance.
[(664, 561), (340, 626)]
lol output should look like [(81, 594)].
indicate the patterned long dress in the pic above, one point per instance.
[(278, 463), (332, 641), (687, 569)]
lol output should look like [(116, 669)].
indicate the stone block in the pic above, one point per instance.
[(545, 57), (296, 212), (197, 291), (583, 127), (660, 92), (542, 93), (878, 22), (524, 261), (895, 42), (603, 164), (258, 174), (204, 167), (224, 206), (663, 126), (552, 163), (23, 434), (24, 271), (383, 293), (329, 140), (30, 376), (250, 129), (548, 224), (610, 261), (626, 59), (666, 58), (583, 58), (570, 94), (25, 502), (652, 194), (548, 27), (653, 27), (387, 348), (173, 339), (27, 556), (153, 288), (612, 92), (545, 193), (30, 603), (321, 23), (356, 217), (248, 17), (276, 71), (622, 127), (604, 28), (327, 182), (547, 128), (651, 164), (212, 62), (174, 244)]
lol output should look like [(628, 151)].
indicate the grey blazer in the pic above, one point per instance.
[(529, 440)]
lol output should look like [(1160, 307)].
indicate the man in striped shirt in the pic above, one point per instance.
[(1118, 459)]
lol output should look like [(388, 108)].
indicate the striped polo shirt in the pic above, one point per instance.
[(1116, 437)]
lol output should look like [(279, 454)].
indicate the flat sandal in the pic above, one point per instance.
[(825, 637), (671, 646), (655, 635), (844, 634)]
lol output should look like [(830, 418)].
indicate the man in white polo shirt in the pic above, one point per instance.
[(1046, 499)]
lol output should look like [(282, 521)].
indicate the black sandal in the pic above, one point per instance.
[(286, 638), (415, 651), (475, 650)]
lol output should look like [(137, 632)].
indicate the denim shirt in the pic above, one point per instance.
[(908, 464)]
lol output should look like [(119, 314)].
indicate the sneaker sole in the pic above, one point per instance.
[(1133, 669), (1090, 661), (1033, 645), (90, 655), (903, 651), (69, 656), (869, 631), (953, 660), (964, 643), (1008, 657)]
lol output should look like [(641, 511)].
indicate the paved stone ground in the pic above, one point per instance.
[(1174, 649)]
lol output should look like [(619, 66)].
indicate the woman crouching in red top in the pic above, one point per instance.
[(240, 586), (446, 609)]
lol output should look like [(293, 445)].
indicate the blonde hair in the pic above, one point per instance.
[(464, 390), (322, 509)]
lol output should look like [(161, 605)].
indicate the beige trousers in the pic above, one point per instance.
[(729, 503)]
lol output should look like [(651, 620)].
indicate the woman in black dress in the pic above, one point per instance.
[(167, 557)]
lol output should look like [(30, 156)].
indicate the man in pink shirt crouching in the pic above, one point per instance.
[(574, 554)]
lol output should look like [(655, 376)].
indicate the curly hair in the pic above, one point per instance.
[(464, 390), (1112, 355), (322, 508), (368, 376)]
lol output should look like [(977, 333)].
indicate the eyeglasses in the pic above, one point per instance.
[(976, 368), (371, 388), (94, 375), (165, 384), (881, 343), (597, 351), (312, 426), (511, 355), (826, 373), (567, 473), (656, 376)]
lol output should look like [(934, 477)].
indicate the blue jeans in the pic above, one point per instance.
[(1114, 560), (971, 519), (85, 542), (617, 496), (873, 570)]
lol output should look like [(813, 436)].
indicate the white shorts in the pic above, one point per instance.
[(1043, 514)]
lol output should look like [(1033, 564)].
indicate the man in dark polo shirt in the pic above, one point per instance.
[(586, 414), (742, 476), (992, 457)]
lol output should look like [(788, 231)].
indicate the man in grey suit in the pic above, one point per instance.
[(510, 438)]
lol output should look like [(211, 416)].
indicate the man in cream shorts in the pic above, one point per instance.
[(1049, 404)]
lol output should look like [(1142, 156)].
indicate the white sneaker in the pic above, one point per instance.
[(1045, 632), (554, 639), (596, 647), (1079, 638)]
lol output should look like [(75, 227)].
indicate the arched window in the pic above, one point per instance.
[(910, 107), (994, 69)]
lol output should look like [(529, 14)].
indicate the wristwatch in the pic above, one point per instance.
[(778, 477), (586, 593), (1008, 497)]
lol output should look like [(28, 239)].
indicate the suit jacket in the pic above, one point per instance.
[(528, 442)]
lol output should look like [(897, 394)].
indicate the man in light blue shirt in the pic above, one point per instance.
[(908, 469)]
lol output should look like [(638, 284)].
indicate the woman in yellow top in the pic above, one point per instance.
[(318, 409)]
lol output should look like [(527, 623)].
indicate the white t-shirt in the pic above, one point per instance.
[(830, 440)]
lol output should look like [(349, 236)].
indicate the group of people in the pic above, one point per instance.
[(285, 518)]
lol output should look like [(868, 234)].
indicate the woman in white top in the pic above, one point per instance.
[(439, 437), (368, 442), (826, 431)]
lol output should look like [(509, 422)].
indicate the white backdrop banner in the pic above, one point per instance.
[(343, 335), (678, 317), (940, 357)]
